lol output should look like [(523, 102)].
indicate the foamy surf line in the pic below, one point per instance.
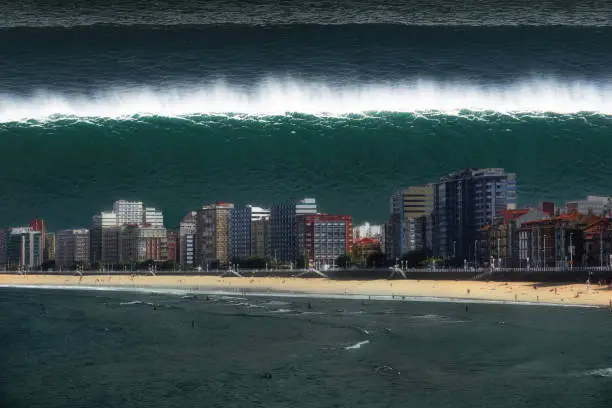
[(279, 294), (281, 96)]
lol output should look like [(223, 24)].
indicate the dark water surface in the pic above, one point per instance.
[(185, 103), (109, 349)]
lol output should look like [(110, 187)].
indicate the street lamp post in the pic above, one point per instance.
[(498, 254), (571, 250), (600, 249)]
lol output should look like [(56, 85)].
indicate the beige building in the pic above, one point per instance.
[(212, 233), (49, 251), (260, 237)]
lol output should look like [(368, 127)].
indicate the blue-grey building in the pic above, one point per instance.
[(3, 242), (283, 227), (243, 235), (464, 202)]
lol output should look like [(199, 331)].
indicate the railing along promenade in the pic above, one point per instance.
[(532, 274)]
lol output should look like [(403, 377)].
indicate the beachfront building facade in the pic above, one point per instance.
[(242, 230), (322, 238), (173, 246), (24, 248), (109, 246), (142, 243), (501, 238), (367, 230), (129, 212), (596, 205), (153, 218), (283, 227), (101, 239), (187, 237), (260, 237), (213, 234), (597, 238), (72, 248), (50, 244), (3, 241), (557, 241), (464, 202), (411, 210)]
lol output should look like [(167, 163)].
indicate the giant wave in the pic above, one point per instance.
[(275, 96)]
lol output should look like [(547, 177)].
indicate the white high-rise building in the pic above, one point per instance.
[(593, 204), (187, 235), (366, 230), (129, 212), (153, 218)]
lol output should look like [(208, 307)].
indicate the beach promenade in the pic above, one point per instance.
[(558, 293)]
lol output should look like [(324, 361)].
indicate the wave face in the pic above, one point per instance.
[(179, 116), (69, 167), (31, 13)]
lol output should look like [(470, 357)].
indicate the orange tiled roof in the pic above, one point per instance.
[(366, 241), (570, 217)]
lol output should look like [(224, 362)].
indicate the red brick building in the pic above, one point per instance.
[(174, 247), (322, 238)]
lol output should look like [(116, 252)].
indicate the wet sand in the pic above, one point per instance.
[(558, 293)]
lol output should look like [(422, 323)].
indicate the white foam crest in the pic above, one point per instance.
[(133, 302), (601, 372), (282, 96), (357, 345)]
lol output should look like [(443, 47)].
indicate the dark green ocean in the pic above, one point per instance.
[(116, 349), (67, 169), (190, 104)]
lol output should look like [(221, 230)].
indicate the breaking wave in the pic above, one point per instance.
[(601, 372), (286, 96), (357, 345)]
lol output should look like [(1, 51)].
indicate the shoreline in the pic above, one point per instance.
[(563, 294)]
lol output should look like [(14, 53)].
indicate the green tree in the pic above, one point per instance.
[(344, 261), (416, 257), (301, 262), (376, 259)]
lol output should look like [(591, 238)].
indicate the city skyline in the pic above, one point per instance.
[(452, 218)]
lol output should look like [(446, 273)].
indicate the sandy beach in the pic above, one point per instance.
[(558, 293)]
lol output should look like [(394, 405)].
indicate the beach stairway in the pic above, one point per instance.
[(395, 270), (482, 275), (311, 271)]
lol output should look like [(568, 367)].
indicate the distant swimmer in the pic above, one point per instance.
[(467, 308), (309, 305)]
